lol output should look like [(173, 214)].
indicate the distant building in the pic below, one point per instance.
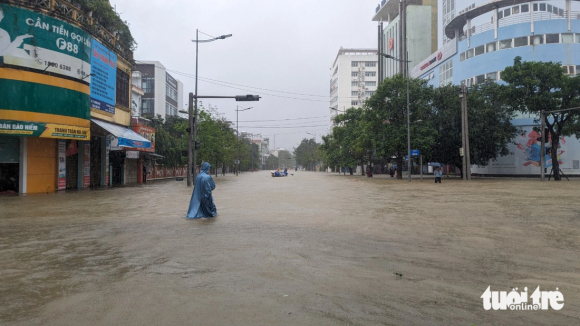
[(353, 79), (163, 94)]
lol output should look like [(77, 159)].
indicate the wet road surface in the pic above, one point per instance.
[(309, 249)]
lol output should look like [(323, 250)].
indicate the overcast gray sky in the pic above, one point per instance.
[(279, 45)]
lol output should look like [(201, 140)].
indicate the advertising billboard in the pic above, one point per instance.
[(104, 79), (33, 40)]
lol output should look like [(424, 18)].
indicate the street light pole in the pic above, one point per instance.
[(238, 135), (191, 166)]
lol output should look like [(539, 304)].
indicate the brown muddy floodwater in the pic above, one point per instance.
[(309, 249)]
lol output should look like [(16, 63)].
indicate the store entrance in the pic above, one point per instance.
[(9, 165)]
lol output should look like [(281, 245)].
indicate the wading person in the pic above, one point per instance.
[(438, 174), (201, 203)]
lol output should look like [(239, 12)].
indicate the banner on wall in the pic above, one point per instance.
[(87, 166), (61, 165), (44, 130), (45, 43), (104, 80)]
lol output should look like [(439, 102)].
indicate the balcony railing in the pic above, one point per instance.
[(73, 14)]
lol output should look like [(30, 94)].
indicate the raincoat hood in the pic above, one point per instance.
[(205, 167)]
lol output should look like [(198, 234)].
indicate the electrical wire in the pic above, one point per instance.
[(284, 119)]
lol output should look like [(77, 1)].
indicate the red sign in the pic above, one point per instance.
[(145, 132), (439, 56), (391, 43)]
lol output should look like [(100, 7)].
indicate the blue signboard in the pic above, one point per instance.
[(104, 79), (415, 152)]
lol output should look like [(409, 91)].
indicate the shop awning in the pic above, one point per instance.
[(153, 156), (126, 137)]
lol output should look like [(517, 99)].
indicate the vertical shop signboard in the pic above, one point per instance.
[(107, 161), (87, 166), (61, 164)]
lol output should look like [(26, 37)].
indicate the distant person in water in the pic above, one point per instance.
[(201, 203)]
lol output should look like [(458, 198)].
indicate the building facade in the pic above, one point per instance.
[(353, 79), (422, 33), (163, 94), (62, 79), (484, 40)]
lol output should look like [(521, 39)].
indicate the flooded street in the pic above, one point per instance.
[(309, 249)]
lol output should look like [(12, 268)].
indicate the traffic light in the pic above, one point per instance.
[(247, 97), (196, 145)]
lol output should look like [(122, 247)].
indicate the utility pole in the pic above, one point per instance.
[(463, 131), (189, 141), (467, 152)]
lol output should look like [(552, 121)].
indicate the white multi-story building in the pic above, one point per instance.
[(163, 94), (353, 79)]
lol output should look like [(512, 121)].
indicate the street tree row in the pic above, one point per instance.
[(378, 131)]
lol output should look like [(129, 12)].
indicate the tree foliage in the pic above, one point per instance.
[(307, 153), (536, 86)]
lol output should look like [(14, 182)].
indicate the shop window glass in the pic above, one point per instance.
[(552, 38), (525, 8), (505, 44), (491, 46), (521, 41), (515, 10), (567, 38), (537, 39), (480, 50)]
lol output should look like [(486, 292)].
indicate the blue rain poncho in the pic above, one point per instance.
[(201, 203)]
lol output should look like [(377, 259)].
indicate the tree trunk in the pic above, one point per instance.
[(400, 169), (350, 169), (554, 156)]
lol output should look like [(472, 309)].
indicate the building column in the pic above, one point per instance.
[(23, 165), (569, 14), (140, 170), (495, 23), (532, 17), (469, 33), (81, 164)]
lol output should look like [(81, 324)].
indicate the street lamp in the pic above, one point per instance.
[(238, 135), (408, 114), (192, 115)]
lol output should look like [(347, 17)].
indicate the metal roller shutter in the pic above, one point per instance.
[(9, 149)]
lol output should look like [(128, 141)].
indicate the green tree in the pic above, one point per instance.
[(386, 119), (490, 129), (307, 153), (536, 86)]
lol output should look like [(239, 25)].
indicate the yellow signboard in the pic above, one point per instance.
[(44, 130)]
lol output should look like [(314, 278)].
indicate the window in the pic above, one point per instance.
[(550, 8), (446, 73), (353, 93), (561, 12), (507, 13), (462, 56), (354, 64), (369, 93), (565, 70), (525, 8), (567, 38), (480, 50), (370, 74), (170, 109), (542, 7), (577, 40), (171, 92), (148, 85), (370, 64), (147, 107), (491, 46), (520, 41), (505, 44), (499, 15), (354, 74), (479, 79), (515, 10), (469, 54), (353, 102), (123, 88), (492, 75), (354, 84), (537, 39), (535, 7), (577, 69), (370, 83), (552, 38)]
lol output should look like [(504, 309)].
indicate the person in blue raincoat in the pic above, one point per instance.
[(201, 203)]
